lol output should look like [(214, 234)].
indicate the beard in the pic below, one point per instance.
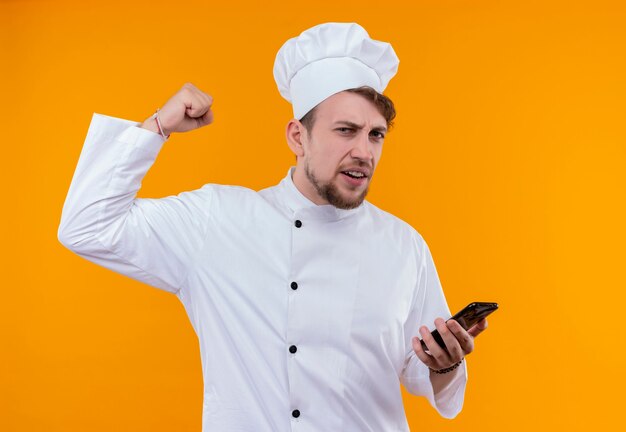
[(329, 192)]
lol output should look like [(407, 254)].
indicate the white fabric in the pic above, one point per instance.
[(330, 58), (366, 282)]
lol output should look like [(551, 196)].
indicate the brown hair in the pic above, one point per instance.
[(383, 104)]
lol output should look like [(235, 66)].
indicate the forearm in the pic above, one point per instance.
[(116, 156), (445, 381), (444, 392)]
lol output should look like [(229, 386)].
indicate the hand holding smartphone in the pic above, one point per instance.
[(466, 317)]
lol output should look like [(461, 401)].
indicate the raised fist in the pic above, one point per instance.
[(188, 109)]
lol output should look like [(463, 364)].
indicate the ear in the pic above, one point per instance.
[(296, 137)]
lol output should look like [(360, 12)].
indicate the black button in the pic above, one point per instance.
[(294, 286), (298, 224), (295, 413), (293, 349)]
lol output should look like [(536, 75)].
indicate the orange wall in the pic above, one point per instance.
[(508, 156)]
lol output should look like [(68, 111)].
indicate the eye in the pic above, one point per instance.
[(344, 129), (377, 134)]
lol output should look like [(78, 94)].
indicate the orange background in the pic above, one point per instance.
[(508, 156)]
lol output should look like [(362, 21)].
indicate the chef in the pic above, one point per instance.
[(308, 301)]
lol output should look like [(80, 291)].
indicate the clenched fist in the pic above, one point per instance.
[(188, 109)]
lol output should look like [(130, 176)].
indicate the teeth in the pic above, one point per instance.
[(356, 174)]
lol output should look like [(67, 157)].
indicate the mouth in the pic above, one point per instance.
[(355, 177), (356, 173)]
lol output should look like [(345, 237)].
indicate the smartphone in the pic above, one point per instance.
[(467, 317)]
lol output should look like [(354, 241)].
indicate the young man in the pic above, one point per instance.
[(308, 301)]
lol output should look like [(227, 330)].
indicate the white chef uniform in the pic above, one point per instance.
[(304, 312)]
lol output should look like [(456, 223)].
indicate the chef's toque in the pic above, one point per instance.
[(330, 58)]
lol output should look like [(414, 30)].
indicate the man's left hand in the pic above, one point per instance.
[(458, 341)]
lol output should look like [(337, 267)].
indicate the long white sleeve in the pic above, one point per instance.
[(151, 240), (430, 303)]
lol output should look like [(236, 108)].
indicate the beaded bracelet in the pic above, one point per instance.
[(448, 369), (158, 123)]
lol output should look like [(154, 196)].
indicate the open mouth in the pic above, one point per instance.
[(354, 174)]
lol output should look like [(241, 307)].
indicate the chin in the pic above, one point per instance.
[(346, 202)]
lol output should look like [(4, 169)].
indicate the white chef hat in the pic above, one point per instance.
[(330, 58)]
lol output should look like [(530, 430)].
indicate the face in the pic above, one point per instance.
[(336, 161)]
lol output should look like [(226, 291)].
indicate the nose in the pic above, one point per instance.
[(361, 147)]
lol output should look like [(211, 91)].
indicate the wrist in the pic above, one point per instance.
[(153, 124), (150, 124), (446, 370)]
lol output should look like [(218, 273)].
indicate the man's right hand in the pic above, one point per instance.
[(188, 109)]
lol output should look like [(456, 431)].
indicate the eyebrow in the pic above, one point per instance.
[(359, 127)]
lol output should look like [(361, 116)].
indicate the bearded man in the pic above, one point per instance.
[(308, 301)]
